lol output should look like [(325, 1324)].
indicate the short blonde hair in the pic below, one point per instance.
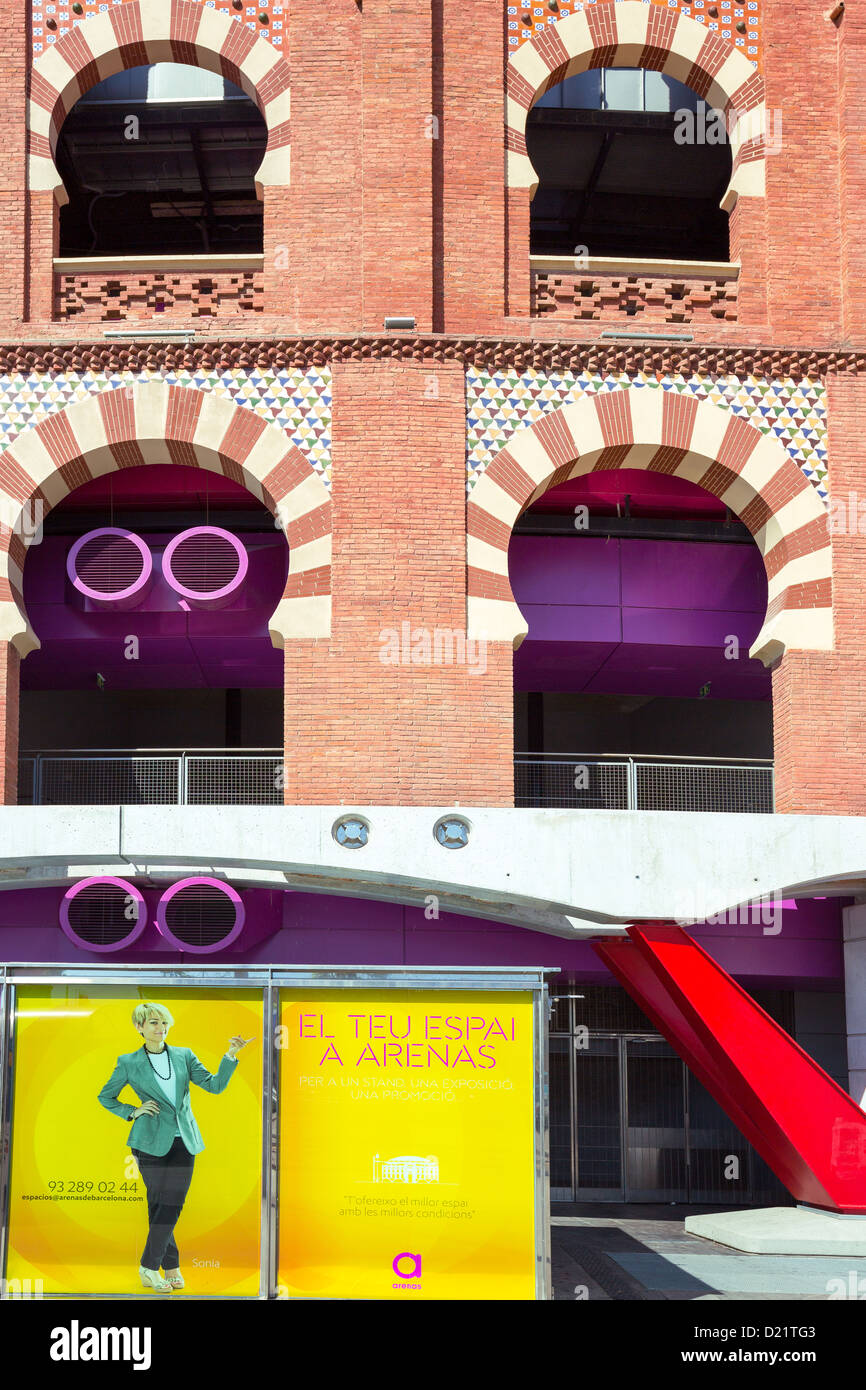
[(142, 1012)]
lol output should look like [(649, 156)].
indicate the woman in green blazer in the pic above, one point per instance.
[(164, 1135)]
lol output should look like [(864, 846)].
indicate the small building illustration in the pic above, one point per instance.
[(406, 1168)]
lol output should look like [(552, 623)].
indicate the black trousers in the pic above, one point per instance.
[(167, 1181)]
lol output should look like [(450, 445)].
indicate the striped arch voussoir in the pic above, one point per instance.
[(665, 432), (155, 31), (632, 34), (153, 422)]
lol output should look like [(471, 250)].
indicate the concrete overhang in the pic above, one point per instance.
[(567, 873)]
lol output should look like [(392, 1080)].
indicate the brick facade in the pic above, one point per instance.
[(819, 699), (399, 201), (159, 297), (9, 672), (368, 717), (634, 299)]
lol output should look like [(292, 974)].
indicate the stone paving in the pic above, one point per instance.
[(604, 1252)]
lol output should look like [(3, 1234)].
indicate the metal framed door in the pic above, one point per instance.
[(630, 1123), (654, 1121), (598, 1120), (561, 1120)]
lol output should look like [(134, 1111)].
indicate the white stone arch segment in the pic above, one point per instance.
[(155, 31), (668, 432), (631, 34), (154, 422)]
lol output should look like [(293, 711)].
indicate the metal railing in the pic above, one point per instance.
[(186, 777), (642, 784), (254, 777)]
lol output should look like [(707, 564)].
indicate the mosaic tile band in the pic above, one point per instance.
[(720, 16), (298, 401), (65, 18), (499, 403), (739, 24)]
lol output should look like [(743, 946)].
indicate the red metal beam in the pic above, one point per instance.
[(806, 1128)]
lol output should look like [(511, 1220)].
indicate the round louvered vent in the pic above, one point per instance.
[(111, 567), (200, 915), (103, 914), (205, 565)]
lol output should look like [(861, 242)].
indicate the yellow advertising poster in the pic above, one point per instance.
[(85, 1213), (407, 1153)]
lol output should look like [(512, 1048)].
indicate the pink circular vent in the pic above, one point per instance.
[(103, 914), (111, 567), (200, 915), (205, 565)]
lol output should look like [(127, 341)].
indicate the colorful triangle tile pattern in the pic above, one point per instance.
[(500, 403), (298, 401), (66, 19), (524, 22)]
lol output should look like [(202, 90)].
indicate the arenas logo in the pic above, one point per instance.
[(405, 1275)]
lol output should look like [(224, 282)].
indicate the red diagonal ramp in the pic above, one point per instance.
[(809, 1131)]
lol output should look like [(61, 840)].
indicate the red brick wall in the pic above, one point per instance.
[(381, 219), (517, 278), (9, 670), (851, 42), (43, 241), (819, 699), (13, 165), (748, 246), (801, 76), (397, 162), (277, 273), (322, 231), (358, 730), (469, 67), (359, 224)]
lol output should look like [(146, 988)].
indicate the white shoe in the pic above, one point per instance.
[(175, 1279), (151, 1278)]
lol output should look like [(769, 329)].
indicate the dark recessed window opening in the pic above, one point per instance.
[(161, 160), (629, 165)]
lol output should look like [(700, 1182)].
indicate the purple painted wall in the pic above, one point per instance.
[(638, 617), (178, 649), (605, 616), (308, 928)]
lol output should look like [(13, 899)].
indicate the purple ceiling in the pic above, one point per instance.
[(650, 494)]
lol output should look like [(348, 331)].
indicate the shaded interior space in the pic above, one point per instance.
[(616, 177), (94, 719), (161, 159), (642, 726), (643, 595), (629, 1122), (163, 673)]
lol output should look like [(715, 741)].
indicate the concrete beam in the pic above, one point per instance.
[(563, 872)]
